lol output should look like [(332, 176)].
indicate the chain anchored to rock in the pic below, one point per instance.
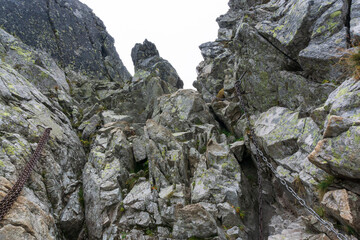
[(15, 191), (260, 155)]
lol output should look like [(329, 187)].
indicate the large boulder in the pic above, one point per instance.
[(337, 152), (140, 208), (329, 36), (194, 221), (288, 139), (295, 229), (181, 110), (339, 155), (167, 160), (289, 28), (266, 84), (26, 219)]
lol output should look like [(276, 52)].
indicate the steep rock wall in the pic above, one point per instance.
[(69, 31)]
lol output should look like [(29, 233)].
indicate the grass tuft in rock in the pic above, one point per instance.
[(320, 211), (85, 143), (101, 109), (131, 181), (323, 186), (239, 139), (141, 169), (349, 230), (226, 132), (149, 232), (351, 62), (123, 235), (71, 90), (203, 149), (81, 197)]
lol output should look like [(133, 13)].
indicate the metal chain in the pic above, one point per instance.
[(260, 199), (15, 191), (302, 202)]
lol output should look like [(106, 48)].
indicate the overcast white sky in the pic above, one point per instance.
[(177, 27)]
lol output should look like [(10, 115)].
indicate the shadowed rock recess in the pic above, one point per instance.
[(141, 158)]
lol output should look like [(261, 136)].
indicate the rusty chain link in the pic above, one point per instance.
[(259, 153), (15, 191)]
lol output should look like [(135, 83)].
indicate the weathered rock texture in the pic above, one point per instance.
[(69, 31), (50, 201), (302, 105), (141, 158)]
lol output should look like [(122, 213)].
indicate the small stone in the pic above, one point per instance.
[(234, 231)]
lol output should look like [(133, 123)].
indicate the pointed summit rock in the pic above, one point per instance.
[(146, 59), (141, 52)]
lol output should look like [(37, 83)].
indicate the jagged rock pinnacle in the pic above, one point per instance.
[(143, 51)]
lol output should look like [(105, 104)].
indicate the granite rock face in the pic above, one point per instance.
[(50, 200), (69, 31), (279, 62), (141, 158), (301, 103)]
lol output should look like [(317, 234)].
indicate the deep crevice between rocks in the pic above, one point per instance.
[(141, 165), (223, 129), (347, 6), (249, 199)]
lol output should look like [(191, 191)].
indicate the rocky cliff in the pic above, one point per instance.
[(140, 158), (67, 30)]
